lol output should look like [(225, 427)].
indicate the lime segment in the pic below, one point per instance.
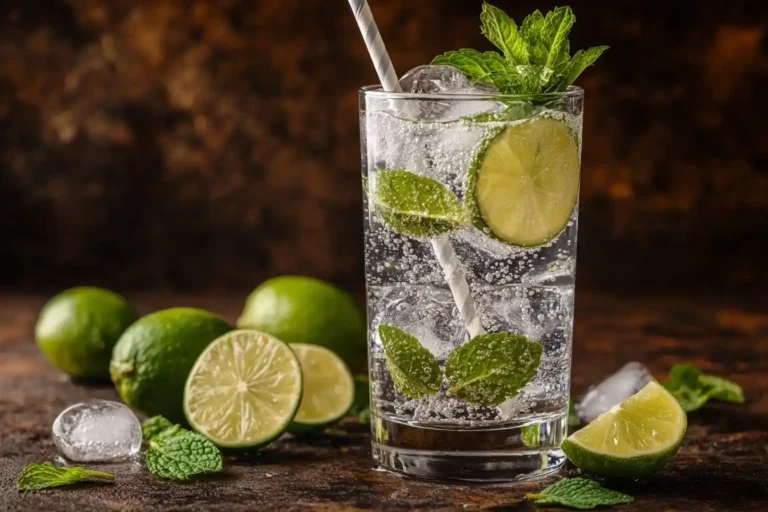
[(527, 182), (329, 389), (634, 439), (243, 390)]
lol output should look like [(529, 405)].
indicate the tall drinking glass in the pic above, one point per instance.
[(471, 211)]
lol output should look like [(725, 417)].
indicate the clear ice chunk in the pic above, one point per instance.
[(97, 431), (631, 378), (445, 80)]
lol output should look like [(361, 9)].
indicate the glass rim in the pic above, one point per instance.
[(376, 91)]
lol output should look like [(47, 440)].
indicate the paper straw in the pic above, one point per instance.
[(444, 252)]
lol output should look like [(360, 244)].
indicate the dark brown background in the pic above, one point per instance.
[(208, 144)]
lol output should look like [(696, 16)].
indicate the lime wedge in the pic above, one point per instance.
[(244, 390), (329, 389), (526, 182), (632, 440)]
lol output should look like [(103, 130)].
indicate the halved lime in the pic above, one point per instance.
[(526, 182), (329, 389), (244, 389), (632, 440)]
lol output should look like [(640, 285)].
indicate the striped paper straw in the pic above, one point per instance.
[(444, 252)]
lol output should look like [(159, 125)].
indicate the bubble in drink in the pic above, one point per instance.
[(97, 431), (631, 378)]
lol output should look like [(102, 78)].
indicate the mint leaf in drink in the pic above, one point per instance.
[(502, 31), (530, 435), (492, 368), (573, 419), (415, 205), (693, 388), (579, 494), (46, 475), (179, 454), (413, 368), (536, 56), (153, 427), (723, 389)]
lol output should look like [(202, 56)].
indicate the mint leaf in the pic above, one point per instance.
[(503, 33), (491, 368), (580, 61), (46, 475), (580, 494), (153, 427), (413, 368), (179, 454), (723, 389), (554, 37), (486, 67), (532, 29), (530, 434), (415, 205), (693, 388)]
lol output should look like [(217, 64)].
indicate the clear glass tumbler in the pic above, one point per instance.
[(471, 211)]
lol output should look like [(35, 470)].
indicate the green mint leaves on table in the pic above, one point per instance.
[(175, 453), (491, 368), (46, 475), (693, 388), (536, 55), (417, 206), (580, 494), (413, 368)]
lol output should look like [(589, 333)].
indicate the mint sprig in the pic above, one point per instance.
[(46, 476), (535, 56), (175, 453), (579, 494), (693, 388)]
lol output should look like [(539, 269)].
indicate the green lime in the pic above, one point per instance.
[(632, 440), (304, 310), (526, 182), (78, 328), (329, 389), (244, 390), (152, 359)]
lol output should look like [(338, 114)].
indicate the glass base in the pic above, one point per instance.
[(480, 456)]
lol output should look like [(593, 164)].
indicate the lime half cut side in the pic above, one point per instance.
[(244, 390), (329, 389), (526, 182), (632, 440)]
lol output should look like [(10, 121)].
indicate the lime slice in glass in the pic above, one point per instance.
[(526, 182), (244, 390), (632, 440), (329, 389)]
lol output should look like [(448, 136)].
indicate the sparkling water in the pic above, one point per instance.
[(97, 431), (526, 291)]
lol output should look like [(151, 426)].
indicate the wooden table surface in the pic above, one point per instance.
[(723, 464)]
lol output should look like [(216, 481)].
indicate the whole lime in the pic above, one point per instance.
[(153, 358), (77, 329), (300, 309)]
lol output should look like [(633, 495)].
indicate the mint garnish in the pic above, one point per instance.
[(693, 388), (415, 205), (178, 454), (580, 494), (46, 475), (413, 368), (536, 56), (492, 368)]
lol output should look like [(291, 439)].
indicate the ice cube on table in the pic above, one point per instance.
[(445, 80), (97, 431), (631, 378)]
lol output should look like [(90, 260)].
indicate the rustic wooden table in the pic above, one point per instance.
[(723, 464)]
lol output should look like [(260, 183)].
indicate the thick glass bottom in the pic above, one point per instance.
[(498, 455)]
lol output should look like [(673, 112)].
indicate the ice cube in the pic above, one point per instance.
[(445, 80), (97, 430), (631, 378)]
